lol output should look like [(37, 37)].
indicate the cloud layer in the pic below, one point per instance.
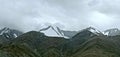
[(27, 15)]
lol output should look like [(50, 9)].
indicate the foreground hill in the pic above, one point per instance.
[(34, 44)]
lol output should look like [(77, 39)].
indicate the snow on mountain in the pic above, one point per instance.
[(112, 32), (93, 30), (106, 33), (10, 33), (15, 35), (4, 30), (53, 31)]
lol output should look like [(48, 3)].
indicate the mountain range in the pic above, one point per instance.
[(51, 41)]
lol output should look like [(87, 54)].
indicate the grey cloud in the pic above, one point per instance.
[(27, 15)]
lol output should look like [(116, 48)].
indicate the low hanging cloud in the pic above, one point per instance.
[(26, 15)]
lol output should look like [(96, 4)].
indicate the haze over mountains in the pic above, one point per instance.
[(51, 41)]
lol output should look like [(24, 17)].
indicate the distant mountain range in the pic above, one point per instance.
[(51, 41), (57, 32)]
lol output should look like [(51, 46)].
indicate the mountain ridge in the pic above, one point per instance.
[(88, 42)]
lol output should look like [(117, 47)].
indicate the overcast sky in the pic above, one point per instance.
[(27, 15)]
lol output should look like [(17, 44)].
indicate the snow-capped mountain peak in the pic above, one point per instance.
[(93, 30), (10, 33), (52, 31), (4, 30), (112, 32)]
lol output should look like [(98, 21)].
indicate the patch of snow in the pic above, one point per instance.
[(116, 30), (52, 31), (7, 36), (15, 35), (112, 32), (94, 30), (106, 33), (5, 30)]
